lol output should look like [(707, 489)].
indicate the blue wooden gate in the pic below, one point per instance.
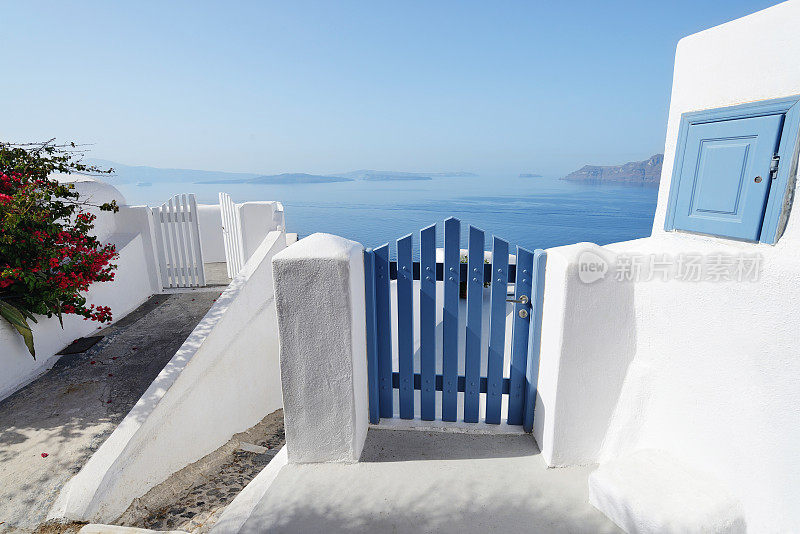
[(467, 364)]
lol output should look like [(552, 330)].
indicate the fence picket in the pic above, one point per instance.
[(427, 322), (472, 358), (405, 328), (534, 338), (155, 220), (384, 330), (181, 228), (372, 347), (174, 229), (451, 279), (497, 331), (519, 336), (196, 247)]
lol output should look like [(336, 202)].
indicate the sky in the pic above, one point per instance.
[(296, 86)]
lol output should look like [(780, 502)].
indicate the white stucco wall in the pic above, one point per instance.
[(319, 291), (223, 380), (706, 371)]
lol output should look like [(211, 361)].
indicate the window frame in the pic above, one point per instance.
[(789, 107)]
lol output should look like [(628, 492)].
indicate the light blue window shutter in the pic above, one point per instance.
[(725, 178)]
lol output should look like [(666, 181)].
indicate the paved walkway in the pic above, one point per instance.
[(67, 413), (412, 481)]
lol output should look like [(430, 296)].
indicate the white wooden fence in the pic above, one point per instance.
[(177, 240), (231, 234)]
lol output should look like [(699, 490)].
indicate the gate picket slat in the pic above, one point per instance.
[(497, 331), (155, 218), (183, 231), (451, 279), (383, 331), (472, 358), (534, 338), (174, 238), (427, 322), (519, 337), (405, 327), (198, 251), (168, 239), (372, 347)]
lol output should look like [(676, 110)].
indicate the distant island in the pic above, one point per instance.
[(284, 178), (145, 176), (647, 172), (530, 175), (383, 176)]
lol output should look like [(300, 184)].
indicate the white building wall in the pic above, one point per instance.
[(711, 372)]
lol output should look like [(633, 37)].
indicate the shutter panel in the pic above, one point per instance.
[(718, 189)]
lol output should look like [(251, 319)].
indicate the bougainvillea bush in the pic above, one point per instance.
[(48, 258)]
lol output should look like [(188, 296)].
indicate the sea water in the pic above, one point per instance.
[(529, 212)]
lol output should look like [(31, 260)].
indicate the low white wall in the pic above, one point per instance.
[(258, 218), (319, 291), (131, 286), (224, 379), (706, 371)]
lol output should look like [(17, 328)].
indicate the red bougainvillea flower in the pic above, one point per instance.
[(48, 254)]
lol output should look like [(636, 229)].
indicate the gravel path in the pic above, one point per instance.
[(50, 428), (214, 482)]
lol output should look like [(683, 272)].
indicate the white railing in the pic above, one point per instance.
[(177, 242), (231, 235)]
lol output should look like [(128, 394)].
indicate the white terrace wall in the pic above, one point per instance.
[(134, 282), (706, 371), (223, 380)]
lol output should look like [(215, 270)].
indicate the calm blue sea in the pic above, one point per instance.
[(530, 212)]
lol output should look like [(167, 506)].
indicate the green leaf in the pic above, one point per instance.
[(17, 320)]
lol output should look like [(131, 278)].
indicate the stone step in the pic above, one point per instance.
[(651, 492)]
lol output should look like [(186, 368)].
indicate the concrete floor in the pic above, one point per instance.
[(68, 412), (412, 481), (216, 274)]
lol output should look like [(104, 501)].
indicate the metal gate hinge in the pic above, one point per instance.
[(773, 166)]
